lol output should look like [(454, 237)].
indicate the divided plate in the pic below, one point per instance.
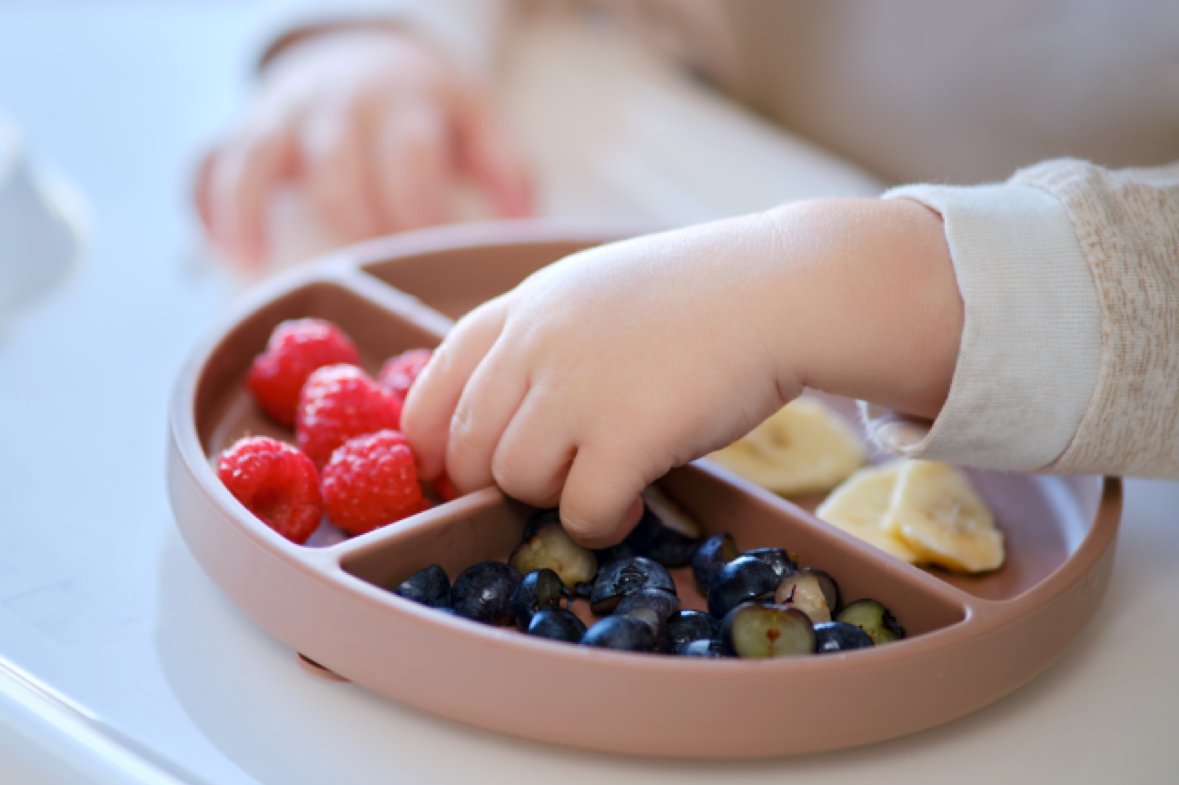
[(971, 639)]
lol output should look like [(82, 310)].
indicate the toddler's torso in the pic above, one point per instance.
[(956, 92)]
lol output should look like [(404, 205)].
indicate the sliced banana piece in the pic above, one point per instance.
[(803, 448), (939, 515), (859, 505)]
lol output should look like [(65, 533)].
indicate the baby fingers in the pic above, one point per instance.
[(434, 397)]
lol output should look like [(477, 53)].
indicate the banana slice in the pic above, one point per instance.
[(859, 505), (803, 448), (938, 514)]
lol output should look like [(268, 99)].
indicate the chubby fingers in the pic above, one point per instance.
[(337, 173), (434, 397), (233, 188), (541, 461), (487, 154), (600, 502), (412, 158)]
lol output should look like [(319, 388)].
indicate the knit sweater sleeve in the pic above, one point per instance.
[(469, 32), (1069, 275)]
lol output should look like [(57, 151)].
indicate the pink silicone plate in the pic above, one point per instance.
[(971, 639)]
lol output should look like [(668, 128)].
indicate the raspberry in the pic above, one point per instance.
[(372, 481), (296, 348), (398, 373), (337, 403), (445, 488), (276, 482)]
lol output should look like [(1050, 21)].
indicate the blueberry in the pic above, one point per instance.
[(777, 558), (429, 586), (538, 589), (830, 589), (546, 545), (663, 602), (761, 630), (744, 578), (540, 520), (672, 549), (701, 647), (710, 557), (874, 619), (688, 625), (620, 632), (664, 533), (623, 550), (652, 606), (835, 636), (557, 624), (483, 592), (627, 576), (811, 591)]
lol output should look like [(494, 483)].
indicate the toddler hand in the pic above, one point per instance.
[(374, 126), (600, 373)]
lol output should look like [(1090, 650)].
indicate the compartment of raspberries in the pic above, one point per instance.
[(666, 589), (348, 460)]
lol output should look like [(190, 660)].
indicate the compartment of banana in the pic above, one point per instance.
[(923, 512)]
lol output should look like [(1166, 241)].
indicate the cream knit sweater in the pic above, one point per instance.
[(1069, 360)]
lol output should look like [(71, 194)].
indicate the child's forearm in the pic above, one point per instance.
[(873, 309)]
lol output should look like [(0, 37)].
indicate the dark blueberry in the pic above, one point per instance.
[(547, 546), (627, 576), (874, 619), (645, 532), (664, 533), (663, 602), (710, 557), (541, 519), (483, 592), (830, 589), (777, 558), (649, 616), (670, 514), (429, 586), (744, 578), (673, 549), (688, 625), (653, 606), (835, 636), (811, 591), (538, 589), (620, 632), (759, 630), (701, 647), (622, 550), (558, 624)]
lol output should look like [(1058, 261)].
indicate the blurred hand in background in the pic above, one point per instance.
[(374, 127)]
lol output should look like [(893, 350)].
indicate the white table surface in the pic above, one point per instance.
[(121, 662)]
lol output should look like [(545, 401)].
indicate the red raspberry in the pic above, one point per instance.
[(337, 403), (276, 482), (445, 488), (398, 373), (296, 348), (372, 481)]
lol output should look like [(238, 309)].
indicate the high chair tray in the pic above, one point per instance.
[(970, 640)]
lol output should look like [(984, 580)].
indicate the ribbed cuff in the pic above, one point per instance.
[(467, 32), (1031, 338)]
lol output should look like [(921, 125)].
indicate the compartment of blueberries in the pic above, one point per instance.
[(760, 603)]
